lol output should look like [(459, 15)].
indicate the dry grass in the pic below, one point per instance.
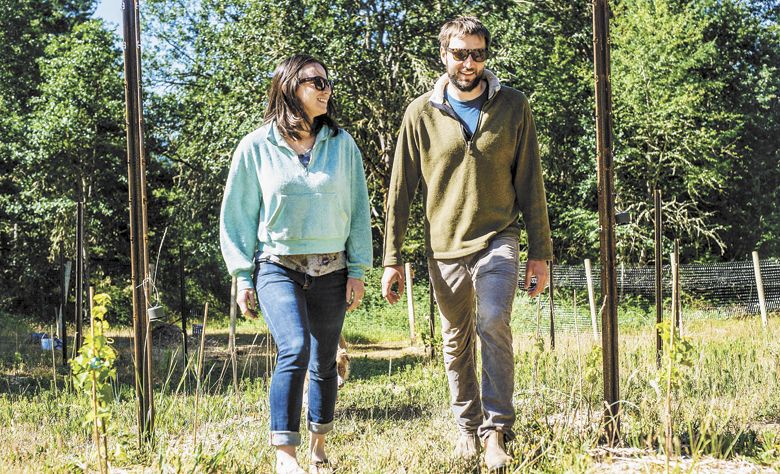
[(393, 415)]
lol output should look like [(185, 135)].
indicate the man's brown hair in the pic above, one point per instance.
[(463, 26)]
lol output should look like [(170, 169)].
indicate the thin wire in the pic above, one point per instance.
[(727, 288)]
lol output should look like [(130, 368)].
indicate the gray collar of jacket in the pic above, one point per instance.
[(437, 98)]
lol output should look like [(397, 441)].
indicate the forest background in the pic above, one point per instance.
[(695, 89)]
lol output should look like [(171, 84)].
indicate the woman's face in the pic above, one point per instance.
[(314, 102)]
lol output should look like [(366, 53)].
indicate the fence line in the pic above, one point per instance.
[(711, 290)]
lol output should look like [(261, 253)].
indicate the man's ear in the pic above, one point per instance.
[(443, 55)]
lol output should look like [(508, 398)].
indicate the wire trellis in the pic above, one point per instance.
[(708, 290)]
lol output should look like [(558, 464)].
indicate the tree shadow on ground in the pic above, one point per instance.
[(400, 412), (365, 367), (27, 371), (391, 405), (255, 357)]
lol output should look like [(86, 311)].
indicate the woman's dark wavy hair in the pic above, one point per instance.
[(284, 106)]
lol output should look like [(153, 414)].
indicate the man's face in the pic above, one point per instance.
[(464, 75)]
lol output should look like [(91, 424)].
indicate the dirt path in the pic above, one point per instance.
[(634, 460)]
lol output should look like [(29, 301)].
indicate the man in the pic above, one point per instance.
[(471, 144)]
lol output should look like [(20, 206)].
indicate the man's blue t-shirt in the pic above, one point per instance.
[(468, 111)]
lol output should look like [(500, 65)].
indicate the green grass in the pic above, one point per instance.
[(393, 414)]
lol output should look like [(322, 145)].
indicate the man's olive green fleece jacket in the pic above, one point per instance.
[(471, 189)]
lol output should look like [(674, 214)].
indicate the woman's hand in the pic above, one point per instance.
[(355, 291), (246, 303)]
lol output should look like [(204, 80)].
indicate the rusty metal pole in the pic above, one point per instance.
[(552, 307), (61, 326), (139, 256), (183, 302), (606, 200), (410, 302), (659, 301), (141, 163), (79, 316), (678, 299), (431, 319), (232, 335)]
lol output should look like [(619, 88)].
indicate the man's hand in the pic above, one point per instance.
[(393, 274), (355, 291), (246, 303), (537, 268)]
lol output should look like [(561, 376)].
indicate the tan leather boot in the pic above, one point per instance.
[(467, 446), (496, 457)]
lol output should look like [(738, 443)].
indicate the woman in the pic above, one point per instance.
[(295, 217)]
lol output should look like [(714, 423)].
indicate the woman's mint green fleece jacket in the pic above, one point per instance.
[(273, 203)]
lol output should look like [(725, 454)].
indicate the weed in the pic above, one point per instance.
[(725, 405), (93, 370)]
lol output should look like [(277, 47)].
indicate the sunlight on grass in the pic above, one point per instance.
[(393, 414)]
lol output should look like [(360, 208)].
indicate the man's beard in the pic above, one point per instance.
[(465, 86)]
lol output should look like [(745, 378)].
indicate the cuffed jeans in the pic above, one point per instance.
[(305, 315), (475, 295)]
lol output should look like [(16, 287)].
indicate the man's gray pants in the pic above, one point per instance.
[(475, 295)]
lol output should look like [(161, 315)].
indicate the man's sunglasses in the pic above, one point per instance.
[(479, 55), (320, 83)]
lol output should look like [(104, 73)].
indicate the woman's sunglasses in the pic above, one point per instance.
[(320, 83), (479, 55)]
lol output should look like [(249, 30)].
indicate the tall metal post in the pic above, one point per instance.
[(183, 302), (79, 316), (659, 300), (678, 299), (61, 326), (232, 335), (552, 306), (410, 302), (606, 200), (431, 319), (675, 263), (139, 256)]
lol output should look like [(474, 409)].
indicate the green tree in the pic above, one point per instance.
[(694, 116), (747, 39), (74, 153), (26, 27), (544, 50), (667, 134)]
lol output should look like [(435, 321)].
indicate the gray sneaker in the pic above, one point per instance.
[(467, 446)]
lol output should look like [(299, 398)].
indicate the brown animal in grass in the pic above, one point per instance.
[(342, 368), (342, 361)]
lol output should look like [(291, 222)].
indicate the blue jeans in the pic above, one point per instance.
[(305, 315)]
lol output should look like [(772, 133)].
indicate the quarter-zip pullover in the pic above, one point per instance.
[(472, 189), (275, 204)]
